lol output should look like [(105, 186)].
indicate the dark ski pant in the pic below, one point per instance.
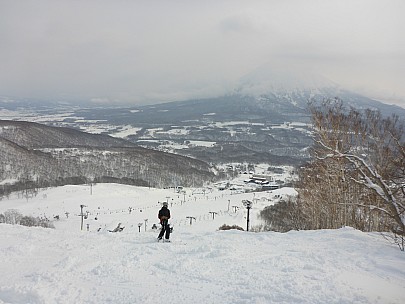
[(165, 228)]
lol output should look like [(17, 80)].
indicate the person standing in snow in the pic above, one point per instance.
[(164, 216)]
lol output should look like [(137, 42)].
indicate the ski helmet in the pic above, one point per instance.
[(164, 204)]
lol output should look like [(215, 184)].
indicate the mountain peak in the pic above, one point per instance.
[(269, 78)]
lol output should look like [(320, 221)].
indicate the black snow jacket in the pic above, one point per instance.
[(164, 214)]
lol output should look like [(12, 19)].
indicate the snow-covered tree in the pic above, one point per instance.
[(12, 216), (366, 150)]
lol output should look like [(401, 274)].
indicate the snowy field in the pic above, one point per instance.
[(200, 265)]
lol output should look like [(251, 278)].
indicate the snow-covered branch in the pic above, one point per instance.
[(365, 148)]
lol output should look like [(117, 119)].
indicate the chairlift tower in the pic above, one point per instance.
[(82, 215), (248, 205)]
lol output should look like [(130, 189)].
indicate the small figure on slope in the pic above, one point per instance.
[(117, 229), (164, 215)]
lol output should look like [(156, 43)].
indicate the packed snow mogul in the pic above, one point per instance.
[(164, 215)]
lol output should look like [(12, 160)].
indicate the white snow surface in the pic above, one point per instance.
[(201, 265)]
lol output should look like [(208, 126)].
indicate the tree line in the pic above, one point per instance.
[(135, 166)]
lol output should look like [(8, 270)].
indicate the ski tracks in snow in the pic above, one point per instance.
[(337, 266)]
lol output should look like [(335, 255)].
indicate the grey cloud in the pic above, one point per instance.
[(146, 51), (242, 23)]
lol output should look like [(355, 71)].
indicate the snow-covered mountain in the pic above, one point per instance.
[(264, 119), (277, 80), (297, 86)]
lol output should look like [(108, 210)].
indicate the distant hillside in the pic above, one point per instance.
[(273, 127), (34, 155), (34, 136)]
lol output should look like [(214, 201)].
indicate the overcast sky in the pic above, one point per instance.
[(148, 51)]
